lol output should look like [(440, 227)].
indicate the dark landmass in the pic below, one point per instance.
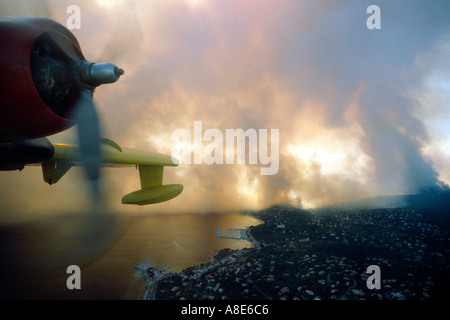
[(324, 254)]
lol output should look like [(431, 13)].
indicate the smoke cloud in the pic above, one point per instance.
[(348, 101)]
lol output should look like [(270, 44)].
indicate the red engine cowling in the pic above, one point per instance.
[(38, 89)]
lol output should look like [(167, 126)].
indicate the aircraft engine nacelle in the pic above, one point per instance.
[(15, 155), (38, 88)]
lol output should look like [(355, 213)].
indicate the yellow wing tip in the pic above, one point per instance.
[(153, 195)]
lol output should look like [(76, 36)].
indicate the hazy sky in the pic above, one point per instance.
[(360, 112)]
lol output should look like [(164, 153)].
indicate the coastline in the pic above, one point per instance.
[(154, 274), (300, 255)]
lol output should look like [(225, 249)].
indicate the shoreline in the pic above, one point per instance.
[(154, 274), (297, 255)]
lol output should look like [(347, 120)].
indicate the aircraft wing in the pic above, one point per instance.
[(151, 168)]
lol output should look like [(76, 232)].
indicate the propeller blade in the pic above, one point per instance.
[(88, 130), (91, 75)]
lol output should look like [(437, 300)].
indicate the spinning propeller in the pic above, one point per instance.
[(85, 115), (86, 77)]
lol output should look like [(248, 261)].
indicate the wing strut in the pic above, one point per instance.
[(53, 170)]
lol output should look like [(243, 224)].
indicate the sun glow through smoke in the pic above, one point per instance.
[(360, 112)]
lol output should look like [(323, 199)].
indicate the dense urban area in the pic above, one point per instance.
[(323, 255)]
